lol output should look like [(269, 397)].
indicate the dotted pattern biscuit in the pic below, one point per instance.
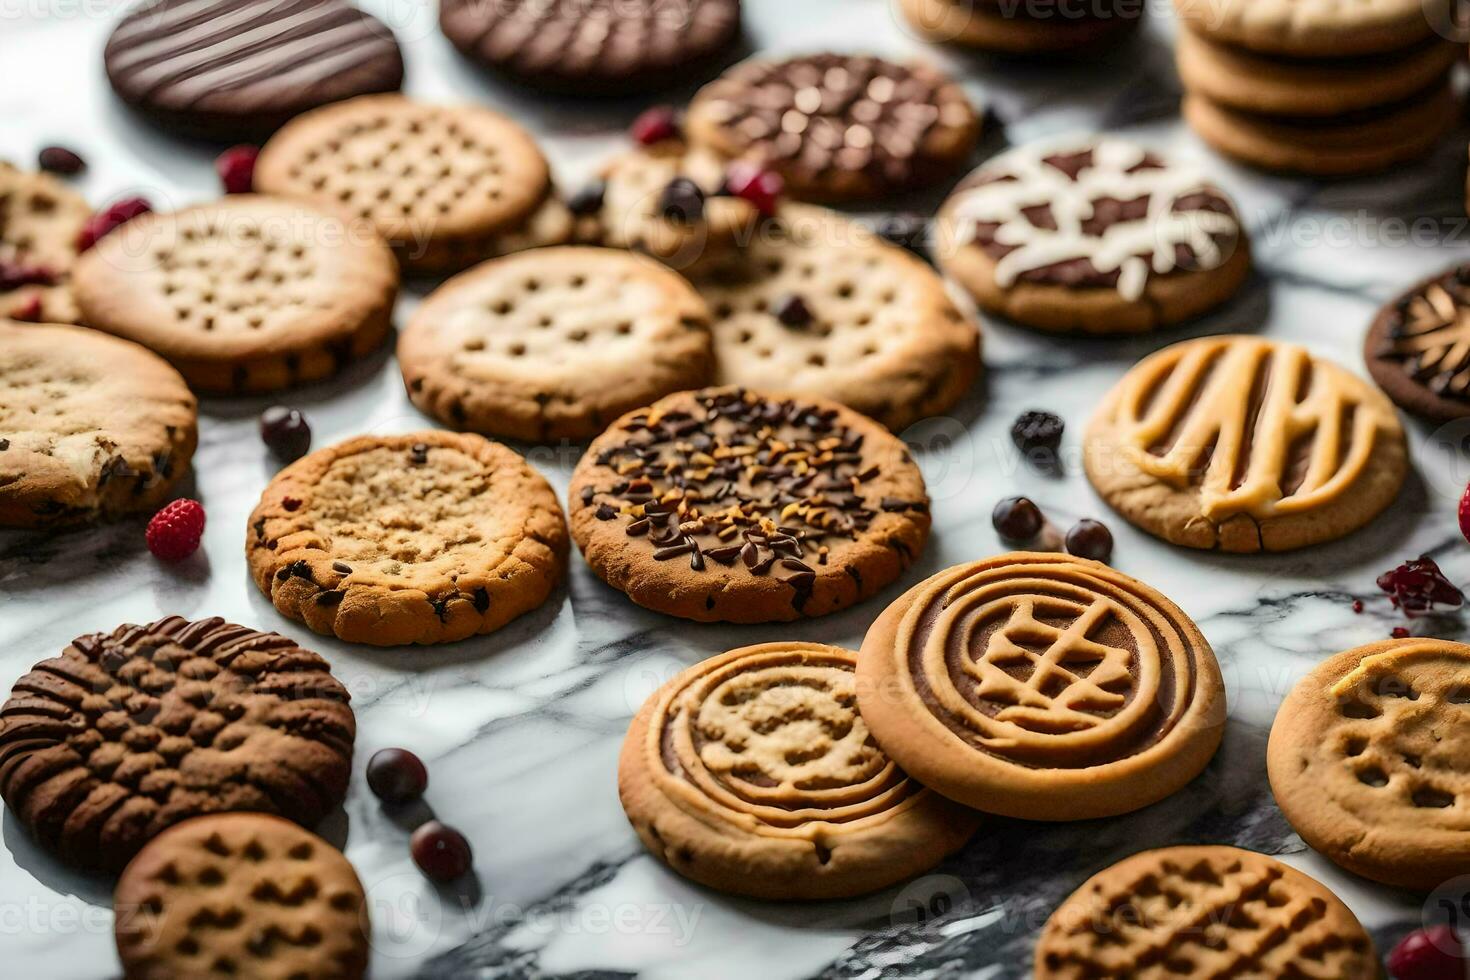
[(554, 343), (1418, 348), (1245, 444), (437, 181), (40, 219), (429, 537), (1095, 234), (1012, 29), (1370, 761), (91, 427), (1314, 28), (838, 127), (753, 773), (130, 732), (724, 505), (1042, 686), (240, 895), (1204, 912), (877, 330), (246, 294)]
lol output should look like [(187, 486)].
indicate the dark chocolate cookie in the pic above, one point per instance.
[(126, 734), (1418, 349), (238, 69), (592, 47)]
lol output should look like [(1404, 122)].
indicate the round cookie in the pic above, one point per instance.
[(1012, 30), (1042, 686), (1204, 911), (1314, 28), (820, 305), (594, 47), (128, 733), (247, 294), (429, 537), (1092, 234), (446, 186), (554, 343), (91, 427), (238, 69), (1345, 145), (1418, 348), (753, 773), (838, 127), (725, 505), (1245, 444), (1238, 78), (242, 895), (1370, 761), (40, 220)]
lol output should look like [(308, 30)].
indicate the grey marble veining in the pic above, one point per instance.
[(521, 730)]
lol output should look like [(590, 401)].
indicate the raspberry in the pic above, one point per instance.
[(754, 183), (1465, 513), (1428, 954), (175, 532), (1418, 586), (655, 125), (110, 218), (27, 310), (236, 168)]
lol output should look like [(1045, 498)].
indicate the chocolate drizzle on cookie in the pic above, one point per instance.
[(1427, 333)]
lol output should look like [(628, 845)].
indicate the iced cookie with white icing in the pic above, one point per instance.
[(1092, 234)]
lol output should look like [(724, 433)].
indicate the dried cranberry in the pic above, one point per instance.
[(14, 275), (1399, 632), (60, 160), (1428, 954), (107, 220), (236, 168), (1418, 586), (27, 310), (589, 199), (754, 183), (440, 851), (286, 432), (792, 311), (655, 125), (1357, 605), (682, 201), (1090, 539), (1016, 519), (397, 776), (1465, 513), (1038, 434)]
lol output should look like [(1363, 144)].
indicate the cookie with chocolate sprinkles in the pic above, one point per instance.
[(725, 505), (1418, 348)]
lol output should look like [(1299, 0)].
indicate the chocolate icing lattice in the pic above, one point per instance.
[(1429, 335)]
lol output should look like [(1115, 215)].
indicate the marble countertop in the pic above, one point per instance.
[(521, 729)]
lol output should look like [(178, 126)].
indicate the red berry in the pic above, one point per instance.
[(27, 310), (110, 218), (655, 125), (1399, 633), (1465, 513), (236, 168), (754, 183), (14, 275), (1428, 954), (440, 851), (285, 432), (1418, 586), (397, 776), (175, 532)]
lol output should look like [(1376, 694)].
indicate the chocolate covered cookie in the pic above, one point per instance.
[(238, 69), (41, 219), (127, 733), (1418, 348), (1020, 28), (725, 505)]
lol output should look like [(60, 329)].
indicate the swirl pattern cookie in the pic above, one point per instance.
[(127, 733), (429, 537), (40, 220), (247, 294), (1206, 912), (724, 505), (91, 427), (753, 773), (1245, 444), (1418, 348), (1042, 686), (241, 895), (1370, 761), (1093, 234)]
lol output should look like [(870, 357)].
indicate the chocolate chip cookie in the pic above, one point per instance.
[(40, 221)]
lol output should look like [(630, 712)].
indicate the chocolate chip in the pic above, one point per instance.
[(419, 453), (291, 503), (682, 201), (331, 597), (341, 568), (61, 160), (589, 199), (4, 445), (481, 599), (605, 513), (792, 311)]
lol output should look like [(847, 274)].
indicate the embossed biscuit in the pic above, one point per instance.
[(1042, 686), (127, 733), (838, 127), (726, 505), (1418, 347), (1092, 234), (554, 343), (40, 219), (1245, 444), (1205, 912), (820, 305), (1315, 28), (91, 427), (1370, 761), (753, 773), (246, 294), (429, 537), (1013, 29), (242, 895)]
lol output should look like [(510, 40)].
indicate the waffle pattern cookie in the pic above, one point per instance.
[(724, 505), (1094, 234), (91, 427), (554, 343), (1209, 913), (1418, 348), (40, 221), (429, 537), (828, 308), (1370, 761), (248, 294), (1245, 444), (241, 895), (127, 733), (753, 773), (1043, 687)]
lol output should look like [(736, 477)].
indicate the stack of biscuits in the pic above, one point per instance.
[(1329, 89)]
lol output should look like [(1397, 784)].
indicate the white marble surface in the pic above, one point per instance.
[(521, 730)]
